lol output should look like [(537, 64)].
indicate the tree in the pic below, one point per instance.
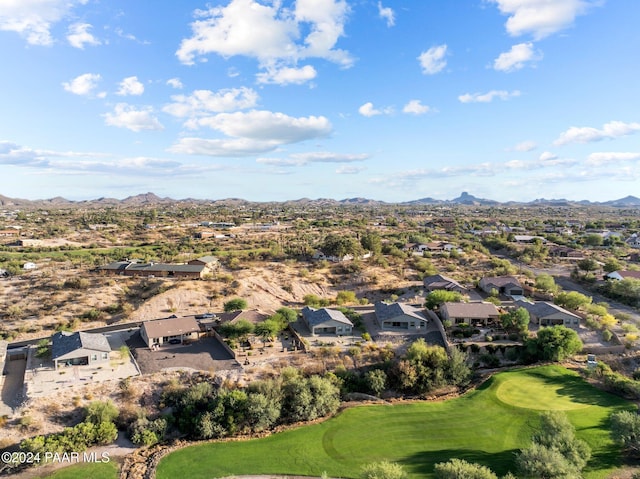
[(611, 265), (267, 329), (540, 462), (593, 240), (554, 343), (440, 296), (346, 297), (555, 451), (625, 430), (376, 381), (461, 469), (588, 264), (371, 241), (240, 329), (545, 282), (340, 246), (516, 320), (101, 411), (383, 470), (290, 315), (572, 300), (236, 304)]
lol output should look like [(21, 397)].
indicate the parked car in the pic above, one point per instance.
[(174, 341), (205, 316)]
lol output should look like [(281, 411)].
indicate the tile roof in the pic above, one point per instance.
[(386, 311), (315, 317), (64, 342), (476, 310), (159, 328)]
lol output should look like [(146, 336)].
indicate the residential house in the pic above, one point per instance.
[(159, 331), (79, 349), (558, 251), (506, 285), (400, 316), (528, 239), (622, 274), (544, 313), (209, 261), (439, 281), (469, 313), (633, 241), (326, 321), (152, 269)]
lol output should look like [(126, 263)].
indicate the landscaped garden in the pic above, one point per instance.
[(486, 426)]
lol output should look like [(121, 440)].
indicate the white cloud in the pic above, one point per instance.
[(286, 162), (260, 125), (525, 146), (541, 18), (349, 170), (130, 86), (415, 107), (329, 157), (175, 83), (548, 156), (387, 13), (269, 33), (603, 158), (516, 58), (33, 19), (234, 147), (368, 110), (205, 102), (127, 116), (302, 159), (488, 97), (287, 75), (611, 130), (83, 85), (78, 36), (432, 61)]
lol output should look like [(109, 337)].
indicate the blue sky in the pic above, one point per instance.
[(278, 99)]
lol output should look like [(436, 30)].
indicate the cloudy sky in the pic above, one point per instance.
[(282, 99)]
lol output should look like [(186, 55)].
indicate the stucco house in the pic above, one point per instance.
[(399, 316), (507, 285), (469, 313), (159, 331), (622, 274), (79, 349), (439, 281), (544, 313), (326, 321)]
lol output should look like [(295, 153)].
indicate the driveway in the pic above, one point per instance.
[(206, 354), (12, 389)]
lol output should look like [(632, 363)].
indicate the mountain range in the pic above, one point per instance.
[(150, 199)]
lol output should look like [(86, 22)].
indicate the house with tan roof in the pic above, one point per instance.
[(439, 281), (160, 331), (469, 313)]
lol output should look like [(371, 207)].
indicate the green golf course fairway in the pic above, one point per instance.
[(487, 425)]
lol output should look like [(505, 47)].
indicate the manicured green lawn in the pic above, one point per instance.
[(487, 426), (107, 470)]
